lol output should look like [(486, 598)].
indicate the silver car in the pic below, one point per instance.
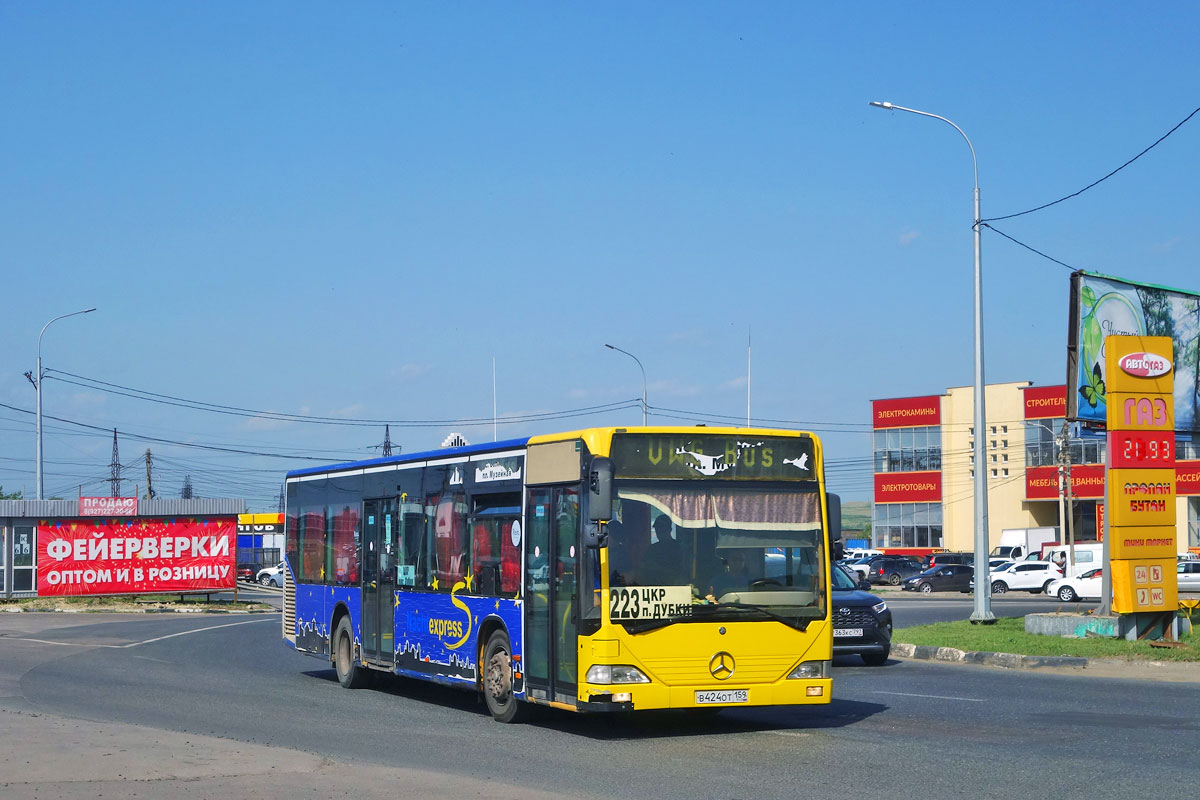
[(1189, 576)]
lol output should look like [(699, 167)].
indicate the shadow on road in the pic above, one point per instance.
[(638, 725)]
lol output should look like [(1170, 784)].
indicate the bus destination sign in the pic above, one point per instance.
[(722, 456)]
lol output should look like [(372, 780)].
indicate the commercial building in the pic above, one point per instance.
[(923, 455)]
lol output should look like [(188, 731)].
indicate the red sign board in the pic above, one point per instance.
[(108, 506), (94, 556), (1187, 477), (1141, 449), (907, 412), (1046, 402), (908, 487), (1087, 481)]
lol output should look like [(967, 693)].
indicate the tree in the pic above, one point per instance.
[(20, 495)]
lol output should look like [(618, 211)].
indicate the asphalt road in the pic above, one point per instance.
[(225, 708)]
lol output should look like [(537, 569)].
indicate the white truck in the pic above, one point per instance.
[(1016, 544)]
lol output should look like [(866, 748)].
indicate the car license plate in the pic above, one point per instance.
[(847, 631), (723, 696)]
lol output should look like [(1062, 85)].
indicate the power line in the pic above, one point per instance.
[(1027, 247), (1095, 183), (216, 408)]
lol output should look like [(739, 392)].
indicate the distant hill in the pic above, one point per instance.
[(856, 514)]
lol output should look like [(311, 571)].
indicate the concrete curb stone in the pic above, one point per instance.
[(1005, 660)]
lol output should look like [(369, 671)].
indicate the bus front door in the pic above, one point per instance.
[(379, 581), (551, 561)]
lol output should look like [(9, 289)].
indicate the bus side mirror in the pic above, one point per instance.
[(833, 502), (600, 483)]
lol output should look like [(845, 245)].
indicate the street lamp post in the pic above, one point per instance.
[(37, 385), (982, 612), (643, 369)]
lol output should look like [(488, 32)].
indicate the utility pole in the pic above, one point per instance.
[(149, 484), (282, 498), (1066, 511), (115, 468)]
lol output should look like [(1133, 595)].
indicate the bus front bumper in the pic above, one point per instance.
[(816, 691)]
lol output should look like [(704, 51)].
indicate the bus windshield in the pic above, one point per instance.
[(705, 553)]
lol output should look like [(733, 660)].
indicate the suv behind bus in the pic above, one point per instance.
[(942, 559)]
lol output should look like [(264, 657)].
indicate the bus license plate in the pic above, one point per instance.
[(847, 631), (723, 696)]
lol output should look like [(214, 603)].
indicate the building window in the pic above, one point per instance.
[(908, 449), (906, 525)]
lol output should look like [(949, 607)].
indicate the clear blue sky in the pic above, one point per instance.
[(349, 211)]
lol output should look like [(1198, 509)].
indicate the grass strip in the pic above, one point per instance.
[(1008, 636)]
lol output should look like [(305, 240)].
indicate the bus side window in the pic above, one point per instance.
[(484, 563), (510, 559)]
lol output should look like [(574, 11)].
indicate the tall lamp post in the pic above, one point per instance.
[(643, 369), (37, 385), (982, 612)]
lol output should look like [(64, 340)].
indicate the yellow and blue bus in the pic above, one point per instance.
[(602, 570)]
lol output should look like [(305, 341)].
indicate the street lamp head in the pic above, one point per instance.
[(885, 105), (610, 347)]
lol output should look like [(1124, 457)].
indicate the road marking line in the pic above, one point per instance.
[(935, 697), (132, 644), (197, 630)]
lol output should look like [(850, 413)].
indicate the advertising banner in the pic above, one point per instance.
[(1045, 402), (135, 556), (108, 506), (907, 412), (908, 487), (1187, 477), (1087, 481), (1104, 306)]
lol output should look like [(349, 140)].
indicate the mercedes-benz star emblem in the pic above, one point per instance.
[(721, 666)]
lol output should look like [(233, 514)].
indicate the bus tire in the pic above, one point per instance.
[(498, 680), (350, 675)]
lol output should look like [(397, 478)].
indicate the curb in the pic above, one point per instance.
[(143, 611), (1006, 660)]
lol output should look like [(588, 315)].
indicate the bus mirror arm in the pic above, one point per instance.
[(594, 537)]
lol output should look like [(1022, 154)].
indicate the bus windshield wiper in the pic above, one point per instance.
[(793, 622), (715, 609)]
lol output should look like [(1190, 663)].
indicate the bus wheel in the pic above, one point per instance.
[(350, 675), (498, 680)]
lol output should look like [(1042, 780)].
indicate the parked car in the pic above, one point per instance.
[(892, 569), (860, 553), (862, 623), (246, 572), (942, 559), (1029, 576), (1189, 576), (1084, 587), (270, 576), (860, 565), (947, 578)]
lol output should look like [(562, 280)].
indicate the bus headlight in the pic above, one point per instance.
[(616, 673), (812, 669)]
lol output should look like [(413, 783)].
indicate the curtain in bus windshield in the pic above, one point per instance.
[(717, 541)]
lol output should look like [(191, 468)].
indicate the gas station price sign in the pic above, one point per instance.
[(1140, 475)]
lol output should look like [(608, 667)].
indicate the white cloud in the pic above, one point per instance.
[(1167, 246), (908, 237)]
